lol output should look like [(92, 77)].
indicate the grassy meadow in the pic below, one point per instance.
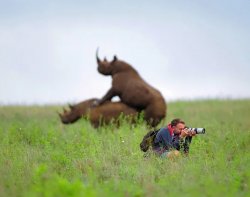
[(39, 156)]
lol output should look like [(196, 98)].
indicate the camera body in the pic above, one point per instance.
[(197, 130)]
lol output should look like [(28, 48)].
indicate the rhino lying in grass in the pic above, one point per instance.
[(98, 115), (132, 90)]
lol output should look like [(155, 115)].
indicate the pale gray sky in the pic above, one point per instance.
[(185, 49)]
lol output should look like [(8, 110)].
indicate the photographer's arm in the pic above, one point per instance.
[(185, 140), (166, 139), (186, 144)]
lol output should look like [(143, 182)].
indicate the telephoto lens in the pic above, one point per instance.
[(197, 130), (200, 130)]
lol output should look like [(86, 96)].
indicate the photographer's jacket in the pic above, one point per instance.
[(166, 140)]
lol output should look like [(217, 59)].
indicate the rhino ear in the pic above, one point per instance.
[(115, 58), (71, 106)]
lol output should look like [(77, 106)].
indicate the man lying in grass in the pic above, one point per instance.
[(168, 141)]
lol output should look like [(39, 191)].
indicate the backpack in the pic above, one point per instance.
[(148, 140)]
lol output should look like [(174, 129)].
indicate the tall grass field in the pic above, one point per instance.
[(39, 156)]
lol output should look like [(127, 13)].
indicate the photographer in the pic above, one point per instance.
[(172, 139)]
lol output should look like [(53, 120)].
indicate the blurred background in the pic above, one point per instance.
[(186, 49)]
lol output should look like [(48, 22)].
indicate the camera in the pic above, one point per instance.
[(196, 130)]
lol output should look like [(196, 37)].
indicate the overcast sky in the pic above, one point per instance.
[(185, 49)]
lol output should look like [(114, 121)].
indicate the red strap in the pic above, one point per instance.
[(171, 130)]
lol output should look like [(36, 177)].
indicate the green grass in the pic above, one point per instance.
[(41, 157)]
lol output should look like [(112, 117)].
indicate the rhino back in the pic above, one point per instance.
[(134, 91)]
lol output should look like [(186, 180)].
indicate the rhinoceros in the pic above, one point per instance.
[(98, 115), (132, 90)]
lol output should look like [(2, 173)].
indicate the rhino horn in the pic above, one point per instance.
[(97, 58), (59, 114)]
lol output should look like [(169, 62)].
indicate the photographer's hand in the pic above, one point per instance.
[(192, 133), (184, 133)]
